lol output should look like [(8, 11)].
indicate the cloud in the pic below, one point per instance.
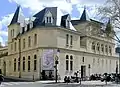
[(4, 22), (1, 41), (0, 25), (64, 7), (3, 33), (6, 19)]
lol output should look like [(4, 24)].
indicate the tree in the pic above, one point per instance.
[(111, 10), (108, 28)]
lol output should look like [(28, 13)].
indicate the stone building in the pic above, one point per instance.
[(34, 44)]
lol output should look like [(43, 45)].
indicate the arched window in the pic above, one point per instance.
[(35, 38), (48, 17), (35, 62), (106, 48), (23, 63), (102, 47), (18, 64), (98, 47), (23, 43), (71, 40), (110, 49), (71, 62), (67, 62), (29, 63), (67, 39), (14, 65), (93, 45), (29, 41)]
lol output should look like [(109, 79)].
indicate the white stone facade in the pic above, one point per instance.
[(84, 47)]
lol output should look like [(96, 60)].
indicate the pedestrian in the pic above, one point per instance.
[(65, 79), (68, 79), (1, 79)]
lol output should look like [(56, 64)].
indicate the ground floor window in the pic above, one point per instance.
[(18, 64), (71, 62), (14, 65), (35, 62), (28, 63), (67, 62), (23, 63)]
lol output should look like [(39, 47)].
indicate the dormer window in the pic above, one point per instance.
[(67, 23), (48, 19), (31, 25)]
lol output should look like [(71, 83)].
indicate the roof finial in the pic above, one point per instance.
[(18, 5), (85, 7)]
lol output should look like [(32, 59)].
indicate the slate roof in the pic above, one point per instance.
[(40, 16), (63, 20), (96, 21), (15, 17), (84, 16)]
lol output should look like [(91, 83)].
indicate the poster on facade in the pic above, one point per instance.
[(48, 59)]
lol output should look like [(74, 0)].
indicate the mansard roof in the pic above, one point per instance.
[(84, 18), (40, 15), (63, 20), (64, 17), (16, 15)]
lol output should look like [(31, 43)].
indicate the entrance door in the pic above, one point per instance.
[(47, 75), (83, 71)]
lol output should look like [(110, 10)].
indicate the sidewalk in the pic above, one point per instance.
[(17, 79), (82, 82), (97, 83)]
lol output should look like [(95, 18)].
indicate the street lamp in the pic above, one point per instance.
[(56, 63), (19, 58), (89, 69)]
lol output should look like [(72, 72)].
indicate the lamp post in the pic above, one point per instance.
[(56, 63), (89, 69), (19, 58)]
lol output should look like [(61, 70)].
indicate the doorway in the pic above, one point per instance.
[(83, 72), (47, 75)]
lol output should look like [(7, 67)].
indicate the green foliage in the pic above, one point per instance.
[(108, 29)]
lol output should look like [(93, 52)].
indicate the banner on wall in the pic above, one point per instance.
[(48, 59)]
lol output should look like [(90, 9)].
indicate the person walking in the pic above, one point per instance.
[(1, 78)]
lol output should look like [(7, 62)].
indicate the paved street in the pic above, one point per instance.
[(42, 84)]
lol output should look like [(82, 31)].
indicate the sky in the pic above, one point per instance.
[(30, 7)]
